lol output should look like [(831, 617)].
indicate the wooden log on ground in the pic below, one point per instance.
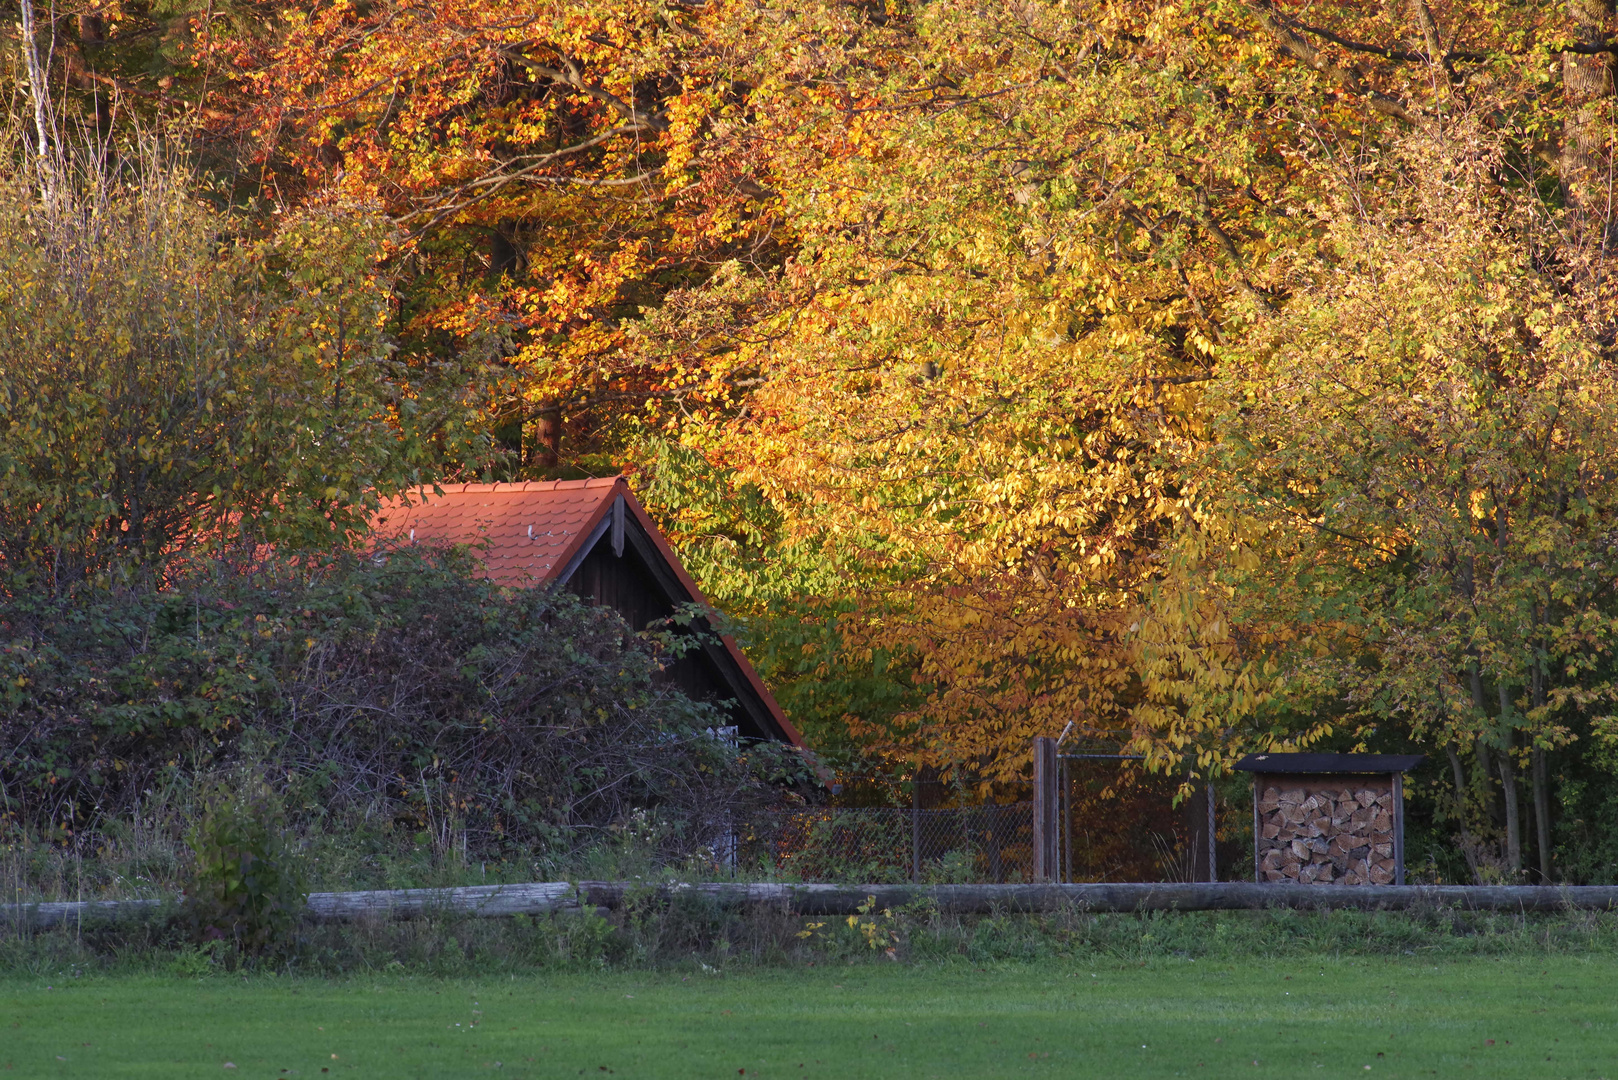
[(48, 916), (545, 898), (476, 901), (1200, 896)]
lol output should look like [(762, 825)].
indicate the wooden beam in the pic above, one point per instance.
[(476, 901), (562, 897), (1129, 897), (1046, 802)]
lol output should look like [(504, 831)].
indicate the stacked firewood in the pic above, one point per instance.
[(1327, 835)]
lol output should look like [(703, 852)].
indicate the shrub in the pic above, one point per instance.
[(395, 689), (245, 888)]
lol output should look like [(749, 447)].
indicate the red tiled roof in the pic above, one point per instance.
[(525, 534)]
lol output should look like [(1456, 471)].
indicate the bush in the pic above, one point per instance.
[(245, 888), (396, 691)]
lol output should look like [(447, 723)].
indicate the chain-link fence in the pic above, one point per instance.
[(893, 844), (1114, 822)]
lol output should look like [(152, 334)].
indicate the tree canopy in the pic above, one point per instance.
[(1212, 377)]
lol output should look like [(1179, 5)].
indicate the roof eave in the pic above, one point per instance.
[(756, 684)]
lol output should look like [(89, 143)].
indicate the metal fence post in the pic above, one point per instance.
[(1067, 820), (1046, 866), (996, 870)]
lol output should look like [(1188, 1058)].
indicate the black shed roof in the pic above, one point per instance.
[(1330, 763)]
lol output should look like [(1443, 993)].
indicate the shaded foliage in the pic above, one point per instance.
[(394, 687)]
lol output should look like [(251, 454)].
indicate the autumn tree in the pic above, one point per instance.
[(1017, 237), (1411, 493), (166, 387), (920, 312), (553, 169)]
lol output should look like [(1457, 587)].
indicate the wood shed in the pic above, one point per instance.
[(594, 538), (1329, 819)]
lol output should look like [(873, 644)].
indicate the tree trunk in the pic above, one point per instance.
[(1536, 765), (1469, 846), (505, 256), (547, 446), (1542, 814), (1508, 785), (1427, 30), (1493, 816), (1587, 83), (38, 93)]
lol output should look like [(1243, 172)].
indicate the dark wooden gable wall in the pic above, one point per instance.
[(639, 586)]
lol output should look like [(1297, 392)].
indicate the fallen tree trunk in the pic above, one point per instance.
[(476, 901), (544, 898), (84, 913)]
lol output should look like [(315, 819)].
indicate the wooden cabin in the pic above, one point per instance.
[(595, 538)]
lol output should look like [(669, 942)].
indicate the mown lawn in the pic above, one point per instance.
[(1552, 1017)]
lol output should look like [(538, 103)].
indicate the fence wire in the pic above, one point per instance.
[(896, 844)]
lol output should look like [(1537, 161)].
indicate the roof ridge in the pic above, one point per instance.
[(523, 485)]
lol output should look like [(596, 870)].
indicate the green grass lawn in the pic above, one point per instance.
[(1552, 1017)]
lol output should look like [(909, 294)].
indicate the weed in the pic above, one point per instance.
[(245, 887)]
